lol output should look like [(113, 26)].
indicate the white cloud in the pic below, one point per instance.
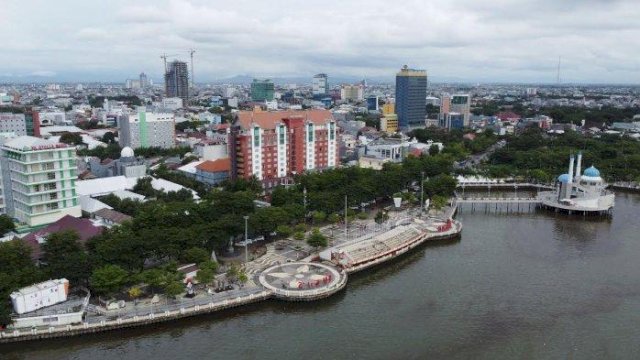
[(500, 40)]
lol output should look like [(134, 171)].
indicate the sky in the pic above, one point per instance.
[(454, 40)]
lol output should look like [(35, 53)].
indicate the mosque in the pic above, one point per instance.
[(584, 193)]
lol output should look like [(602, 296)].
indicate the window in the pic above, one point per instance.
[(282, 131), (256, 136), (332, 131), (310, 130), (51, 176)]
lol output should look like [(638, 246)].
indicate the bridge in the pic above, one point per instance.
[(490, 200), (504, 185)]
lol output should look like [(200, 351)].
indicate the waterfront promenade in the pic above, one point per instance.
[(305, 280)]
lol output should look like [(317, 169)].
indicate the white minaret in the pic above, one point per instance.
[(579, 167), (571, 161)]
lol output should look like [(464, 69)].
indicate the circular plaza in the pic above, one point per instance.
[(302, 281)]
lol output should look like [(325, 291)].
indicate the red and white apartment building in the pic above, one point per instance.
[(275, 145)]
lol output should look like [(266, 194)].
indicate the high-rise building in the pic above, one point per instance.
[(411, 95), (352, 93), (262, 90), (176, 80), (147, 129), (38, 180), (320, 84), (461, 104), (271, 145), (20, 124), (144, 82)]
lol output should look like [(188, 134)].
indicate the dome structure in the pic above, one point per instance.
[(564, 178), (127, 152), (592, 172)]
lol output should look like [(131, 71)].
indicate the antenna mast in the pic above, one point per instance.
[(558, 74), (191, 52)]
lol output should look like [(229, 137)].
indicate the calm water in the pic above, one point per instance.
[(526, 286)]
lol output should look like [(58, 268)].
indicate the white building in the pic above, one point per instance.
[(352, 93), (147, 129), (13, 123), (48, 118), (172, 104), (320, 84), (38, 179), (40, 295)]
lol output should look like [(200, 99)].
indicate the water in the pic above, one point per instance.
[(526, 286)]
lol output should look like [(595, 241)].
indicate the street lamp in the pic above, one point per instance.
[(421, 192), (246, 252)]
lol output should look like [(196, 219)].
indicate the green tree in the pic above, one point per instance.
[(173, 288), (381, 216), (204, 275), (319, 216), (298, 235), (108, 279), (284, 230), (6, 224), (316, 239), (438, 202), (441, 184), (195, 255), (64, 257), (71, 138), (134, 292), (334, 218), (109, 138)]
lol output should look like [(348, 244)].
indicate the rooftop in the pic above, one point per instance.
[(269, 119), (215, 165), (30, 143)]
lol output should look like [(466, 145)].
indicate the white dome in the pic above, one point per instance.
[(127, 152)]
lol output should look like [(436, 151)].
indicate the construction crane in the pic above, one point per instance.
[(164, 57), (191, 52)]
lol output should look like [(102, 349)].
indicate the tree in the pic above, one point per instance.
[(135, 292), (243, 278), (108, 279), (441, 184), (6, 224), (334, 218), (319, 216), (204, 275), (438, 202), (298, 235), (173, 288), (65, 257), (284, 230), (195, 255), (143, 187), (381, 216), (109, 138), (71, 138), (434, 150), (316, 239)]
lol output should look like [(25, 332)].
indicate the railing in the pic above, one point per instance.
[(165, 313)]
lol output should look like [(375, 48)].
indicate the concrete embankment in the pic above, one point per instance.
[(88, 328)]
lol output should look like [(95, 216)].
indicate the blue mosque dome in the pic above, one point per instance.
[(564, 178), (592, 172)]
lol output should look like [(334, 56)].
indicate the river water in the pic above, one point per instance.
[(530, 285)]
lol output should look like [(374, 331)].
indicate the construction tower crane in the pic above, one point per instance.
[(164, 57), (191, 52)]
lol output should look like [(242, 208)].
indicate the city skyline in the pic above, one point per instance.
[(501, 41)]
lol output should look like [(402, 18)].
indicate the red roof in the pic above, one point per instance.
[(84, 227), (269, 119), (215, 165), (507, 115)]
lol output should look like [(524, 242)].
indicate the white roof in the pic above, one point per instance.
[(46, 130), (126, 194), (91, 205), (29, 142), (102, 186), (38, 287), (116, 184), (191, 167)]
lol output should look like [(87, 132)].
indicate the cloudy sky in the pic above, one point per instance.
[(466, 40)]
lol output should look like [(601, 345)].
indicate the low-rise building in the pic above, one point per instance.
[(213, 172)]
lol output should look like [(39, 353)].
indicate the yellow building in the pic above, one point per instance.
[(388, 108), (389, 123)]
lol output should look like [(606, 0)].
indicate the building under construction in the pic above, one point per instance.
[(176, 80)]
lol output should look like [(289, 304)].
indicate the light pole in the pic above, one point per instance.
[(246, 227), (421, 192)]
